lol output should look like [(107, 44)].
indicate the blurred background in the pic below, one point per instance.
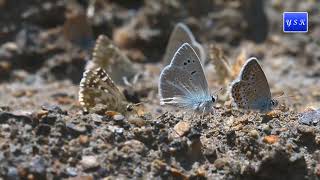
[(45, 42)]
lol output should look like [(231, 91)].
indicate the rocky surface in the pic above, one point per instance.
[(44, 133)]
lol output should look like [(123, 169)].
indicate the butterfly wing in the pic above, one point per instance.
[(183, 82), (182, 34), (96, 87), (252, 90), (110, 58), (221, 65)]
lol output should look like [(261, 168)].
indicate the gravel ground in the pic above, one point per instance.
[(44, 134)]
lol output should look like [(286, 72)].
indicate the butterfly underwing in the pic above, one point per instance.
[(181, 34), (97, 87), (183, 83), (110, 58), (251, 90)]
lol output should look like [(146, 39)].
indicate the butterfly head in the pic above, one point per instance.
[(214, 98), (206, 105), (273, 103)]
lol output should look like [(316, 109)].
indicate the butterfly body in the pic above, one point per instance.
[(109, 57), (251, 91), (204, 103), (183, 83)]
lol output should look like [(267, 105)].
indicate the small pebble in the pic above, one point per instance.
[(309, 117), (182, 128), (220, 163), (89, 162), (118, 117), (306, 130), (116, 129), (71, 171), (53, 109), (40, 114), (83, 139), (111, 113), (271, 139), (177, 173), (266, 128), (134, 146), (137, 121), (76, 129), (254, 133), (274, 114), (9, 45), (97, 118)]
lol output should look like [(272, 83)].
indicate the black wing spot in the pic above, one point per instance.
[(193, 72), (193, 61), (184, 63), (189, 61)]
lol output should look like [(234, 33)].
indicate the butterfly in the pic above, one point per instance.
[(183, 83), (182, 34), (251, 90), (97, 87), (224, 69), (110, 58)]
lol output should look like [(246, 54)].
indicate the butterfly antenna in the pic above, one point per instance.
[(281, 94), (215, 93), (278, 95), (218, 91)]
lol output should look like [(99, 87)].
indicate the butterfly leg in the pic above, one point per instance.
[(214, 113), (204, 109), (192, 115)]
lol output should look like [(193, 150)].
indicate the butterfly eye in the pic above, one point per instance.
[(213, 99), (274, 103)]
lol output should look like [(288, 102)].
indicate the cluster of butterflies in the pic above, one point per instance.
[(182, 83)]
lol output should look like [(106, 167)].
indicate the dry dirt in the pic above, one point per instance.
[(45, 134)]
